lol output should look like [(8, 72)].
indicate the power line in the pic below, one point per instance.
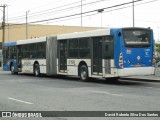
[(85, 12), (143, 4), (108, 11), (22, 16), (70, 8), (32, 9), (48, 12), (74, 15)]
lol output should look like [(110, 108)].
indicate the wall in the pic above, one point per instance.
[(15, 32)]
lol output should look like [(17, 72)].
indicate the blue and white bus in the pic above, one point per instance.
[(102, 53)]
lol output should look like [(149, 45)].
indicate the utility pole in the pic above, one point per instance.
[(3, 24), (100, 11), (81, 13), (133, 13), (27, 24), (3, 27)]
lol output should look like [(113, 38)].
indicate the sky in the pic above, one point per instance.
[(147, 13)]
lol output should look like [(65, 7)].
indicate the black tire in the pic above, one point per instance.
[(36, 70), (83, 73)]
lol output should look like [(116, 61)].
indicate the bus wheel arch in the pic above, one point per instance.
[(83, 71), (36, 69)]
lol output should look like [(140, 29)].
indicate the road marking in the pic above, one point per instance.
[(106, 93), (20, 100)]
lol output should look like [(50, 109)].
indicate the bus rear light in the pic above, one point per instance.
[(121, 65), (121, 60)]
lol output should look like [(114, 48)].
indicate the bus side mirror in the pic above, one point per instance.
[(119, 34)]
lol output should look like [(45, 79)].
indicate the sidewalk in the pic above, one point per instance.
[(150, 78)]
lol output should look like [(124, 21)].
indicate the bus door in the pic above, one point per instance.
[(19, 58), (108, 53), (62, 56), (97, 56)]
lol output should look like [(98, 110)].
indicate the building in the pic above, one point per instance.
[(14, 32)]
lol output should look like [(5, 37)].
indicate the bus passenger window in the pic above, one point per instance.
[(106, 48), (84, 50), (73, 48)]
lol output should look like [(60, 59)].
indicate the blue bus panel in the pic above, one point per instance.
[(9, 44)]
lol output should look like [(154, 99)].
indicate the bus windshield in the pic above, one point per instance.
[(137, 37)]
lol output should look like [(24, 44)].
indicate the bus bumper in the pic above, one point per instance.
[(136, 71)]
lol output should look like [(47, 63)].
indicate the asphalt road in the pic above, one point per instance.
[(29, 93)]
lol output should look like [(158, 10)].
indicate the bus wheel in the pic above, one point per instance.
[(84, 73), (12, 69), (36, 70)]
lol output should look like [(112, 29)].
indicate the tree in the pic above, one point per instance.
[(157, 50)]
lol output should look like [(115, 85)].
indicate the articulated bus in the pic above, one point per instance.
[(102, 53)]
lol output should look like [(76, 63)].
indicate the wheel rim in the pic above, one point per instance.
[(12, 68), (83, 74), (36, 72)]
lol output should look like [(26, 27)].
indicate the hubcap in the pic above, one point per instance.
[(83, 74), (12, 69), (36, 72)]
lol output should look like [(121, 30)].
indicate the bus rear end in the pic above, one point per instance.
[(134, 51)]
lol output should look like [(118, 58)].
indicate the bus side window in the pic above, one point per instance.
[(108, 47), (73, 48), (84, 51)]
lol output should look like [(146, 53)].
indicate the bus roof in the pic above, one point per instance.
[(10, 44), (92, 33), (28, 41)]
